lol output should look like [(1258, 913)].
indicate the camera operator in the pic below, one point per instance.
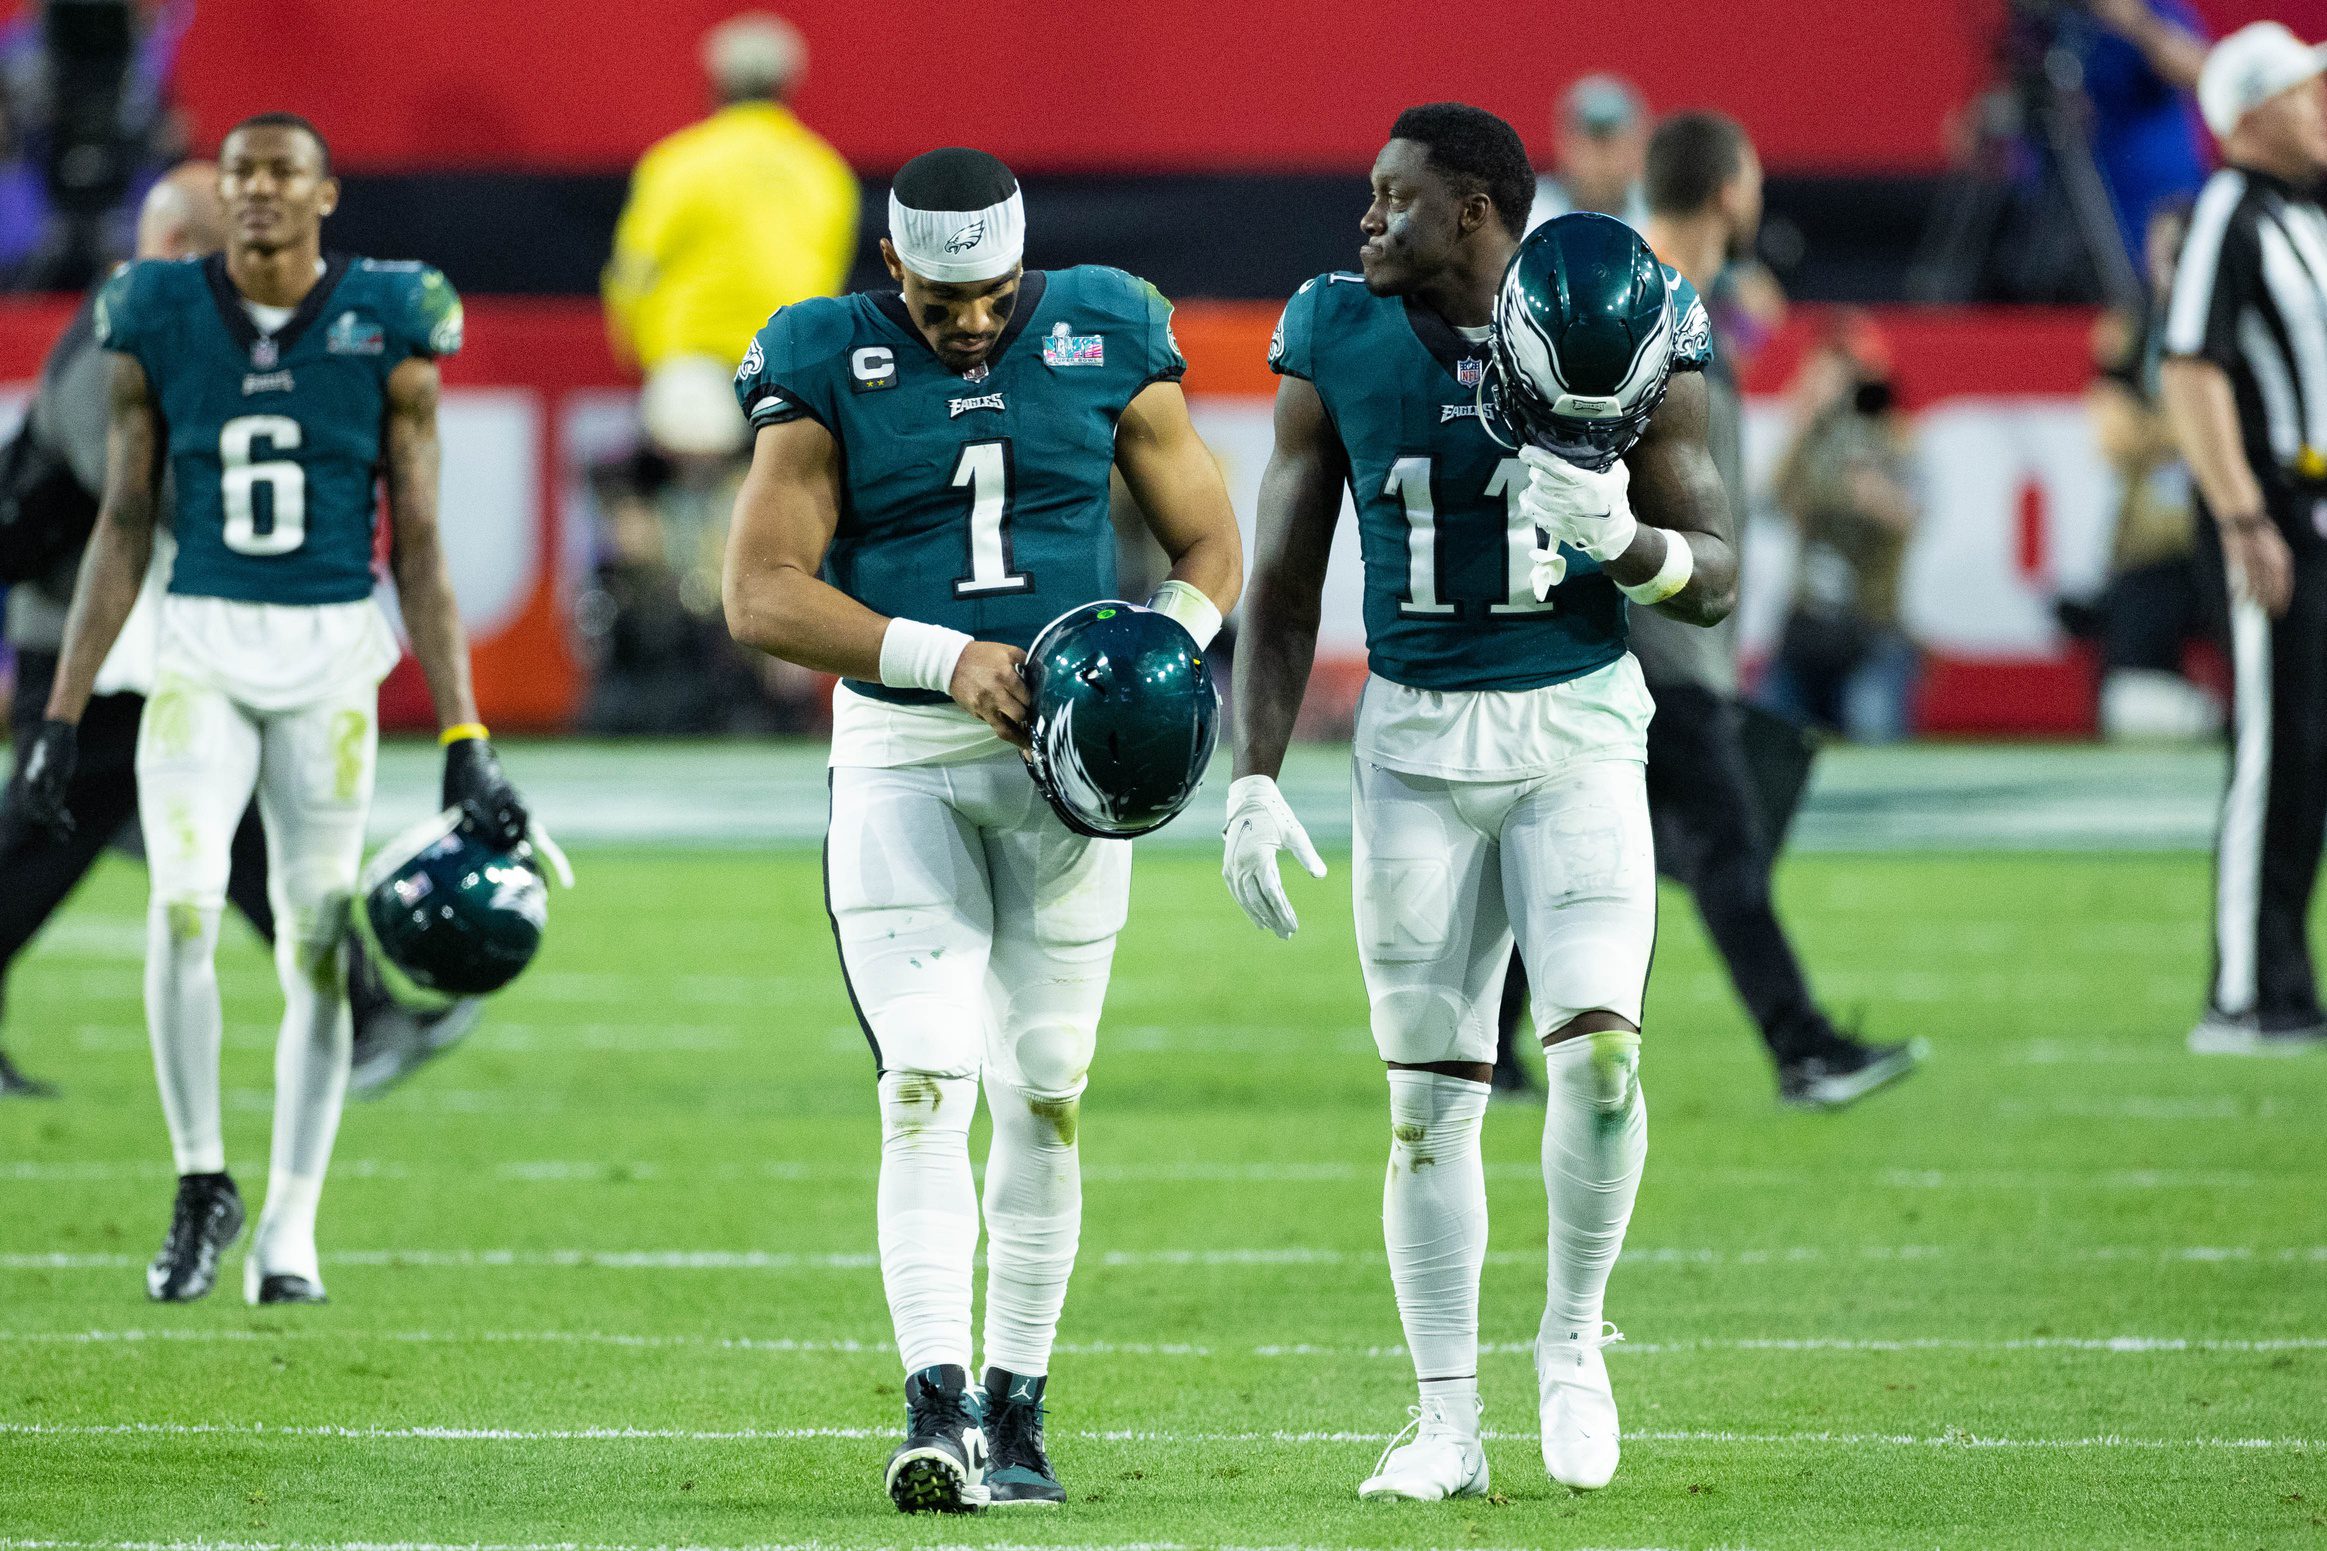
[(2245, 384)]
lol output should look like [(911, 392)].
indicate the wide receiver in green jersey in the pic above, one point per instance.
[(280, 389), (928, 489), (1494, 409)]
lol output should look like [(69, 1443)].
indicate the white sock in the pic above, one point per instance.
[(1034, 1220), (1434, 1224), (928, 1214), (182, 1020), (1595, 1138), (311, 1067)]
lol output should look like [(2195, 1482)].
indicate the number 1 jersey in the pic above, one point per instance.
[(1449, 597), (976, 501), (274, 438)]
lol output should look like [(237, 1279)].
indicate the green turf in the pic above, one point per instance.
[(642, 1199)]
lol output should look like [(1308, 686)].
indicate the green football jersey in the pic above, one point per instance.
[(274, 439), (1449, 597), (976, 501)]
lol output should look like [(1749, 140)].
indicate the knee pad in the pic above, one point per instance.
[(926, 1036), (1421, 1024), (1603, 1073), (1053, 1059)]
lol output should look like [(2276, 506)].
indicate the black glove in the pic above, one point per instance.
[(37, 792), (473, 783)]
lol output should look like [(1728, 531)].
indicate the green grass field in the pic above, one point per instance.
[(604, 1278)]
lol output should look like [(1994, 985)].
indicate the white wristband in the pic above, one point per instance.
[(1680, 562), (919, 656), (1185, 602)]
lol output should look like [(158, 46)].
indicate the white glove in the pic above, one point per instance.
[(1590, 511), (1259, 826)]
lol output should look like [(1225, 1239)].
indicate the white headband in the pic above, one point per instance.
[(957, 246)]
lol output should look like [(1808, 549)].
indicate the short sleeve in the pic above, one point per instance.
[(1291, 346), (1163, 361), (778, 378), (119, 320), (432, 320), (2220, 266), (1692, 327)]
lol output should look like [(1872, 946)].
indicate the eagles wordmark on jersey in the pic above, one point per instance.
[(1450, 600), (274, 437), (976, 501)]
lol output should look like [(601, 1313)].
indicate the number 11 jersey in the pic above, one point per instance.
[(977, 501)]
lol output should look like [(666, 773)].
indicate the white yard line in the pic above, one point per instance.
[(1217, 1258), (2124, 1346), (7, 1544), (448, 1433)]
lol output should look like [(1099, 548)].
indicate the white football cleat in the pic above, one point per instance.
[(1445, 1459), (1579, 1409)]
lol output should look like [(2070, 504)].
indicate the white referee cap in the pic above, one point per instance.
[(956, 216), (2251, 66)]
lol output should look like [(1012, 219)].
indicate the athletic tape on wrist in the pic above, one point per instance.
[(1185, 603), (920, 656), (1680, 562)]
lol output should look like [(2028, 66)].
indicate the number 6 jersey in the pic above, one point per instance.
[(976, 501)]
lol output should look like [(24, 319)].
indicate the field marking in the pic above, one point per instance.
[(450, 1433), (7, 1544), (1217, 1259), (844, 1346)]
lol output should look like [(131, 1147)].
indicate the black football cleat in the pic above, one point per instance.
[(1836, 1070), (941, 1465), (204, 1223), (282, 1287), (393, 1041), (14, 1084), (1018, 1472)]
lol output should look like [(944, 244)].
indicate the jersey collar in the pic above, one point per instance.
[(244, 332), (891, 305), (1439, 338)]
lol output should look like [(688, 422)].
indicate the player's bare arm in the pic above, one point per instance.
[(1676, 491), (1177, 483), (1300, 502), (2204, 414), (778, 602), (416, 547), (122, 545)]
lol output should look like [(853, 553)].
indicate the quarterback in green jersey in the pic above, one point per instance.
[(1494, 409), (279, 388), (929, 488)]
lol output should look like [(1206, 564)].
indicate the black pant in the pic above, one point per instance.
[(2274, 816), (1709, 839), (37, 873)]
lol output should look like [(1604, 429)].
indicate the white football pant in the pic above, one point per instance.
[(976, 932)]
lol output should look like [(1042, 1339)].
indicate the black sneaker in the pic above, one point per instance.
[(204, 1223), (14, 1083), (941, 1465), (284, 1287), (1836, 1069), (1018, 1472), (393, 1041)]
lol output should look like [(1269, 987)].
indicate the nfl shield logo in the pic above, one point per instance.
[(1469, 371)]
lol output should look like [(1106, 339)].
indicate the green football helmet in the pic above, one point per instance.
[(1125, 718), (1583, 344), (445, 914)]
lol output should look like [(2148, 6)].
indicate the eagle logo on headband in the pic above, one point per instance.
[(968, 237)]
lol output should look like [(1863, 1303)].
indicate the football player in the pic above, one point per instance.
[(928, 488), (1500, 739), (278, 387)]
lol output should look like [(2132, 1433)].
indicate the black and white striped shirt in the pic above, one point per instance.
[(2250, 295)]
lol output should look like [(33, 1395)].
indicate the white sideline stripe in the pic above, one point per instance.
[(791, 1260), (444, 1433), (2112, 1345), (599, 1545)]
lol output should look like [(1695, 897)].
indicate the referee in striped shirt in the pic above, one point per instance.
[(2245, 384)]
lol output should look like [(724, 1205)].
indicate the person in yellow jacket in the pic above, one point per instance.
[(727, 220)]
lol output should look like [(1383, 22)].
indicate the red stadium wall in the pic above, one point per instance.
[(2017, 503)]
